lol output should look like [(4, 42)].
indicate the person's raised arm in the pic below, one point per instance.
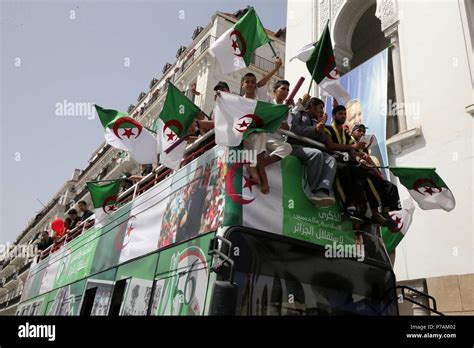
[(267, 77)]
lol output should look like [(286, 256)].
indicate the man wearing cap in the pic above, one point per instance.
[(381, 194)]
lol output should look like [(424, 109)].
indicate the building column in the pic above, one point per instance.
[(397, 72)]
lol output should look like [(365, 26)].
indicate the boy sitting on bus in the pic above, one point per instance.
[(258, 141), (277, 147), (348, 180), (320, 167)]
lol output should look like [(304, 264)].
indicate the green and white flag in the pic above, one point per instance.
[(235, 117), (286, 209), (426, 187), (403, 219), (125, 133), (234, 48), (172, 125), (104, 198), (321, 63)]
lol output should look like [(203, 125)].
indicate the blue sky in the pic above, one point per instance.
[(48, 57)]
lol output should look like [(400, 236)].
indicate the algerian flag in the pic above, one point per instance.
[(172, 125), (403, 219), (235, 117), (233, 48), (104, 198), (321, 63), (125, 133), (286, 209), (426, 187)]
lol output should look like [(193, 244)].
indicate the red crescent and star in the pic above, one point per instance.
[(243, 126), (107, 207), (230, 189), (422, 183), (127, 131), (119, 245), (327, 72), (172, 123), (238, 36)]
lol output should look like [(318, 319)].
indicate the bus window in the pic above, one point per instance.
[(88, 302), (117, 297), (281, 277)]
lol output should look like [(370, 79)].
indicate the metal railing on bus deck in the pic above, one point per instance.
[(193, 150)]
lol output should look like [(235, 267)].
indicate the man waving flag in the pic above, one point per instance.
[(125, 133), (104, 198), (234, 48), (236, 117), (172, 125), (321, 63)]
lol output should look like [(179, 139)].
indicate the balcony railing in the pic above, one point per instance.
[(265, 64), (10, 302), (10, 277)]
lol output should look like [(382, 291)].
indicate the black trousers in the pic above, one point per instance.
[(381, 192), (349, 184)]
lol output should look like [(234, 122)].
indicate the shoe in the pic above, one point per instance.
[(352, 216), (384, 219), (321, 199)]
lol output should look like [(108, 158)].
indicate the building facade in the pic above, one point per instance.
[(431, 82), (196, 73)]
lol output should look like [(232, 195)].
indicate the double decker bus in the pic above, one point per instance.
[(203, 240)]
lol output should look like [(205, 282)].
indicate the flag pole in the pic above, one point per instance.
[(312, 78), (273, 50), (315, 65), (176, 143)]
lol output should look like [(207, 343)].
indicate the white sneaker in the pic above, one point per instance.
[(321, 199)]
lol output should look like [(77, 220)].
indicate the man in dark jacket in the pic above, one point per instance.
[(45, 241), (320, 167)]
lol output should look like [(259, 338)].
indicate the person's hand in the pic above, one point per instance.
[(290, 102), (320, 127), (358, 146), (364, 163), (325, 118), (306, 98), (278, 62), (334, 102)]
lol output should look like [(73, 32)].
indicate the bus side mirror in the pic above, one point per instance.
[(224, 298)]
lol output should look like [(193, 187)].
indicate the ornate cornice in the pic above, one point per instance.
[(387, 12)]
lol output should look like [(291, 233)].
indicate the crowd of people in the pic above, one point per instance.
[(72, 221), (356, 182)]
